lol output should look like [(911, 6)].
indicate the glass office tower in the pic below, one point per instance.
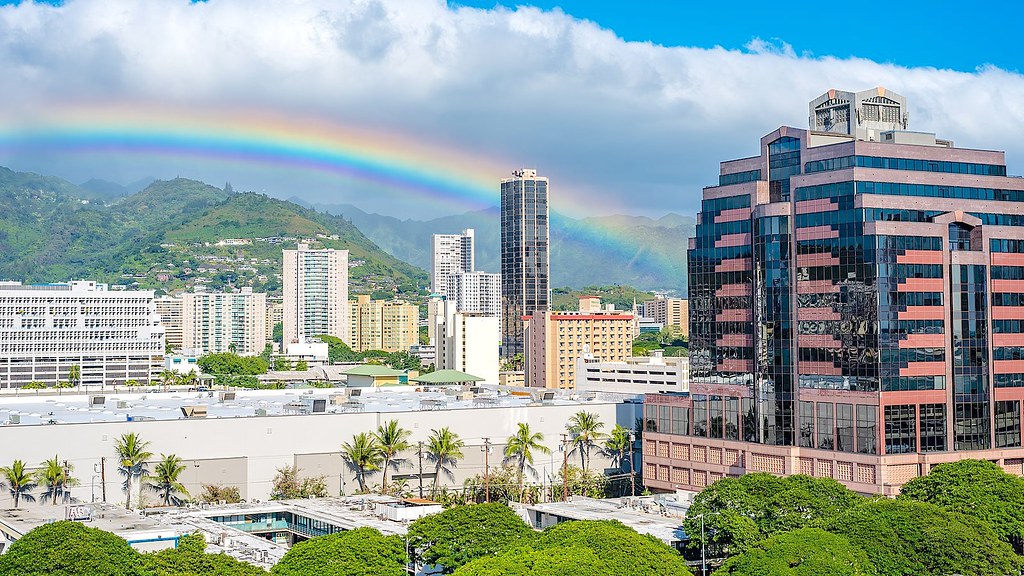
[(856, 308), (524, 255)]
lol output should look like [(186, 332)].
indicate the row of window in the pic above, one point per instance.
[(917, 165), (739, 177), (1006, 245)]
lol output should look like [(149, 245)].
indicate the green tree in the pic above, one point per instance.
[(585, 428), (583, 482), (301, 366), (131, 383), (338, 351), (282, 364), (520, 448), (513, 364), (18, 481), (132, 454), (56, 479), (363, 454), (167, 378), (617, 445), (75, 374), (359, 552), (278, 333), (444, 449), (218, 492), (70, 549), (977, 488), (165, 480), (402, 360), (34, 385), (189, 378), (286, 484), (460, 534), (525, 561), (232, 364), (392, 440), (802, 552), (911, 538), (190, 558), (770, 503)]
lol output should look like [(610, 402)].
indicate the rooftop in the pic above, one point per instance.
[(660, 517)]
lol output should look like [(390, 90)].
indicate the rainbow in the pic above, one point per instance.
[(427, 170)]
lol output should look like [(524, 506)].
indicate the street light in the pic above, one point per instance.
[(703, 545)]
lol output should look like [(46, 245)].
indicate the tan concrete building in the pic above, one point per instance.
[(169, 309), (390, 325), (224, 322), (275, 314), (556, 340), (315, 287), (669, 312)]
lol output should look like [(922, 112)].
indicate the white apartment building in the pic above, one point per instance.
[(46, 329), (315, 291), (169, 309), (453, 253), (217, 322), (475, 292), (467, 342), (654, 374)]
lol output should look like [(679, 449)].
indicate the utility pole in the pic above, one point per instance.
[(64, 482), (632, 472), (565, 467), (419, 453), (103, 478), (487, 470)]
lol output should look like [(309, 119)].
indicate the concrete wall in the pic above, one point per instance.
[(245, 452)]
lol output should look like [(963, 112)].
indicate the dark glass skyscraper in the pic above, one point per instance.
[(524, 254), (856, 308)]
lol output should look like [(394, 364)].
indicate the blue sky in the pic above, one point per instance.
[(937, 33), (618, 124)]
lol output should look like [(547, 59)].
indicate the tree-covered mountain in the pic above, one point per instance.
[(169, 236), (630, 250)]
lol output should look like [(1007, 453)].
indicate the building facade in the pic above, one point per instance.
[(275, 316), (216, 322), (856, 309), (470, 345), (169, 309), (475, 293), (315, 290), (654, 374), (108, 336), (669, 312), (389, 325), (525, 264), (452, 254), (555, 341)]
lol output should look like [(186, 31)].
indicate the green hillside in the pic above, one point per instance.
[(166, 237)]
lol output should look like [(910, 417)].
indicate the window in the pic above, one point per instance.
[(933, 427), (900, 429), (826, 430), (1007, 424), (844, 427), (867, 429)]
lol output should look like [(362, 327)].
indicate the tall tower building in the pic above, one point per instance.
[(856, 310), (453, 253), (169, 309), (217, 322), (315, 291), (525, 265)]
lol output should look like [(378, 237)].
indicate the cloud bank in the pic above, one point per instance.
[(639, 127)]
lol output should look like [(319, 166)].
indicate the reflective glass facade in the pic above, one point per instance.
[(525, 264)]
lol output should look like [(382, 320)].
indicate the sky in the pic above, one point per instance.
[(417, 108)]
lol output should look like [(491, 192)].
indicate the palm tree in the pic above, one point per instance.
[(167, 377), (521, 445), (617, 445), (444, 447), (165, 480), (392, 440), (188, 378), (75, 374), (57, 479), (585, 428), (132, 456), (364, 454), (18, 481)]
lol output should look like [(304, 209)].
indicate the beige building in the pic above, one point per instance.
[(469, 343), (275, 315), (639, 375), (389, 325), (315, 287), (169, 309), (556, 340), (224, 322), (668, 312)]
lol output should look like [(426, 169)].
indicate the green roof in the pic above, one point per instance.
[(446, 377), (372, 370)]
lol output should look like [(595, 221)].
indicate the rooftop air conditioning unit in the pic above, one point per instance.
[(97, 400), (15, 419)]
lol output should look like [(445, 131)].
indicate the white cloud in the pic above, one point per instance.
[(639, 126)]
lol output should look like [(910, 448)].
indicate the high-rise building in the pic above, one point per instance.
[(452, 254), (475, 293), (169, 309), (315, 289), (856, 309), (389, 325), (555, 341), (217, 322), (467, 342), (525, 265), (45, 330), (669, 312)]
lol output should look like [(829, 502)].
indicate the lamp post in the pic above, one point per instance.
[(703, 544)]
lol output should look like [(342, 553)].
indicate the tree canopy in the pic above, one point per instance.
[(739, 512), (69, 549), (232, 364), (977, 488), (190, 559), (802, 552), (910, 538), (458, 535), (359, 552)]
